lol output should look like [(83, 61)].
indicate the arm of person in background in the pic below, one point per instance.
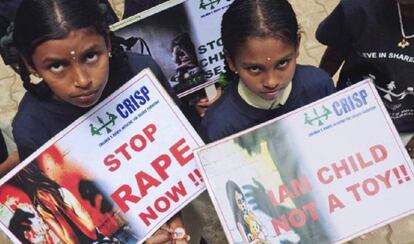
[(7, 161), (166, 234), (332, 60), (180, 236), (11, 161), (161, 236), (202, 104)]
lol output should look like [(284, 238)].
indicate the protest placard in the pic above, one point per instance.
[(134, 10), (116, 174), (324, 173), (184, 39)]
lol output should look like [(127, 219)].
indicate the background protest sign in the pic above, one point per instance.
[(119, 172), (184, 39), (324, 173), (134, 10)]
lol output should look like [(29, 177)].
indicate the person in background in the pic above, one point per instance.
[(374, 39)]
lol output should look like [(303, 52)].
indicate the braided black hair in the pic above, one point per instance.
[(37, 21), (257, 18)]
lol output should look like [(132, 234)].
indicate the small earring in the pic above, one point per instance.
[(236, 72), (109, 54)]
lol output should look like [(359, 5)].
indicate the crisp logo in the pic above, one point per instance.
[(318, 117), (204, 4), (103, 125)]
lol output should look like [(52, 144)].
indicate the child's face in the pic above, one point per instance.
[(265, 65), (75, 68), (240, 201)]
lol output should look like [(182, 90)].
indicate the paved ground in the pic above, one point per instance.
[(310, 13)]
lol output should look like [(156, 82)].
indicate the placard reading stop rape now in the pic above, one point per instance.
[(116, 174), (324, 173)]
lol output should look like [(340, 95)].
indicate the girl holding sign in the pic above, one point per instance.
[(261, 44), (67, 44)]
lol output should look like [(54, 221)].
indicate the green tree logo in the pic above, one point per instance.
[(103, 125), (319, 118), (204, 4)]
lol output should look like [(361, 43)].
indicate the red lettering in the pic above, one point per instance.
[(370, 186), (145, 182), (364, 164), (379, 153), (149, 215), (122, 195), (334, 202), (280, 223), (296, 217), (272, 198), (162, 204), (341, 167), (112, 162), (352, 164), (323, 178), (161, 164), (178, 152), (133, 143), (149, 131), (137, 143), (284, 193), (353, 189), (173, 195), (373, 183), (300, 186), (122, 149), (385, 179), (311, 208)]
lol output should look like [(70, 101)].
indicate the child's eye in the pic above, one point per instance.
[(56, 67), (283, 63), (91, 57), (254, 69)]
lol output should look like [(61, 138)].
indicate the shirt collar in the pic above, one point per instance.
[(253, 100)]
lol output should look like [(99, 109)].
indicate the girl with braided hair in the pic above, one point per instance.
[(67, 45)]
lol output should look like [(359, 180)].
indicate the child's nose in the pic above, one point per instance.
[(271, 81), (81, 78)]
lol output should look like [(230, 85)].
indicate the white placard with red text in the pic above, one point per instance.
[(136, 147), (324, 173)]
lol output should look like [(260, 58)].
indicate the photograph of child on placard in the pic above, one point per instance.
[(166, 36), (253, 225), (52, 200), (249, 226)]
